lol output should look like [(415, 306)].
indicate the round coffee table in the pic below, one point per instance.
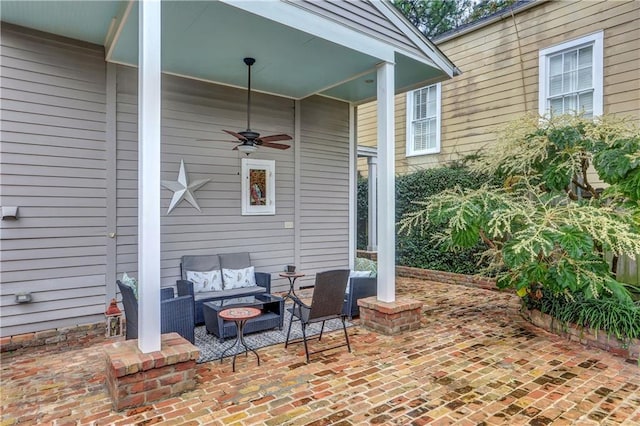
[(240, 316)]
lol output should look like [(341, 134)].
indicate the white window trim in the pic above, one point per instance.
[(409, 130), (598, 65)]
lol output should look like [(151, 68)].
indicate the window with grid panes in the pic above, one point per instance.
[(423, 120), (571, 77)]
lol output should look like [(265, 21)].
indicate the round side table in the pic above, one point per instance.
[(292, 277), (240, 316)]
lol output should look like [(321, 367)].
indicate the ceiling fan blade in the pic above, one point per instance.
[(275, 145), (235, 135), (273, 138), (214, 140)]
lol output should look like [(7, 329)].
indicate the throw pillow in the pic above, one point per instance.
[(238, 278), (205, 280), (364, 264), (131, 282)]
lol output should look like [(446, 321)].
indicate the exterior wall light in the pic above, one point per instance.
[(23, 297)]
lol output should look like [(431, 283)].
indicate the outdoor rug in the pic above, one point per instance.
[(211, 348)]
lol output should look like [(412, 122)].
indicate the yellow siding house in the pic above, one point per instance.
[(565, 55)]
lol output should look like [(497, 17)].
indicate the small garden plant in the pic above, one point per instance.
[(549, 231)]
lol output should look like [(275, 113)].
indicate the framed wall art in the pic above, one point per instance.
[(258, 187)]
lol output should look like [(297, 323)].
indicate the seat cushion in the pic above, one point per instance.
[(226, 294), (358, 274)]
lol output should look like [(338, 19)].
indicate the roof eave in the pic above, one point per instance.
[(430, 49)]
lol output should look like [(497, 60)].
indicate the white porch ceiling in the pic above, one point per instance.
[(297, 54)]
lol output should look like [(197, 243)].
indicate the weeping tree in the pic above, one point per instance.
[(548, 229)]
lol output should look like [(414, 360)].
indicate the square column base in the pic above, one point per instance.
[(135, 378), (390, 318)]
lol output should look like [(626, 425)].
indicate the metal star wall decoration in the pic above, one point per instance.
[(183, 189)]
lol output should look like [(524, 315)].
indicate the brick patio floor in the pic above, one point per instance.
[(474, 361)]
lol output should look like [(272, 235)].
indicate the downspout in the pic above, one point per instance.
[(111, 183), (524, 90)]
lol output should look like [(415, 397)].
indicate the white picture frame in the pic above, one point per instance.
[(258, 187)]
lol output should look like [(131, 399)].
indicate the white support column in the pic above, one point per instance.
[(372, 202), (149, 97), (386, 185), (297, 203), (353, 186)]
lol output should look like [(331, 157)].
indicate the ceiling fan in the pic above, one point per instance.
[(252, 140)]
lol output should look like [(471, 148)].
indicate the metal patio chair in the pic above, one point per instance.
[(326, 304)]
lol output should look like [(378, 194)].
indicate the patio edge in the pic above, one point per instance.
[(629, 350), (475, 281), (77, 335)]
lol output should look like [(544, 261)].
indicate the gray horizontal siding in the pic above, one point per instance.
[(53, 168), (324, 186), (361, 16), (54, 163), (192, 111)]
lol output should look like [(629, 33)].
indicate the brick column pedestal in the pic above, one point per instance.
[(136, 379), (390, 318)]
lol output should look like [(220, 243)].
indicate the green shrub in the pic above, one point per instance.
[(416, 249), (621, 320), (549, 232), (363, 213)]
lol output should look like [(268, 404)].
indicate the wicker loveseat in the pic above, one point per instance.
[(218, 262)]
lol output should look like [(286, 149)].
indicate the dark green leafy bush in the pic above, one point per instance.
[(363, 213), (416, 249)]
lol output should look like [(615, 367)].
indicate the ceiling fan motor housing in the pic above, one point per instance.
[(249, 135)]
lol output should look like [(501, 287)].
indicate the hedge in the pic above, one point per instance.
[(417, 250)]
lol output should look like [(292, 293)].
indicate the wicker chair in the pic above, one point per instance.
[(326, 304), (176, 313), (359, 288)]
